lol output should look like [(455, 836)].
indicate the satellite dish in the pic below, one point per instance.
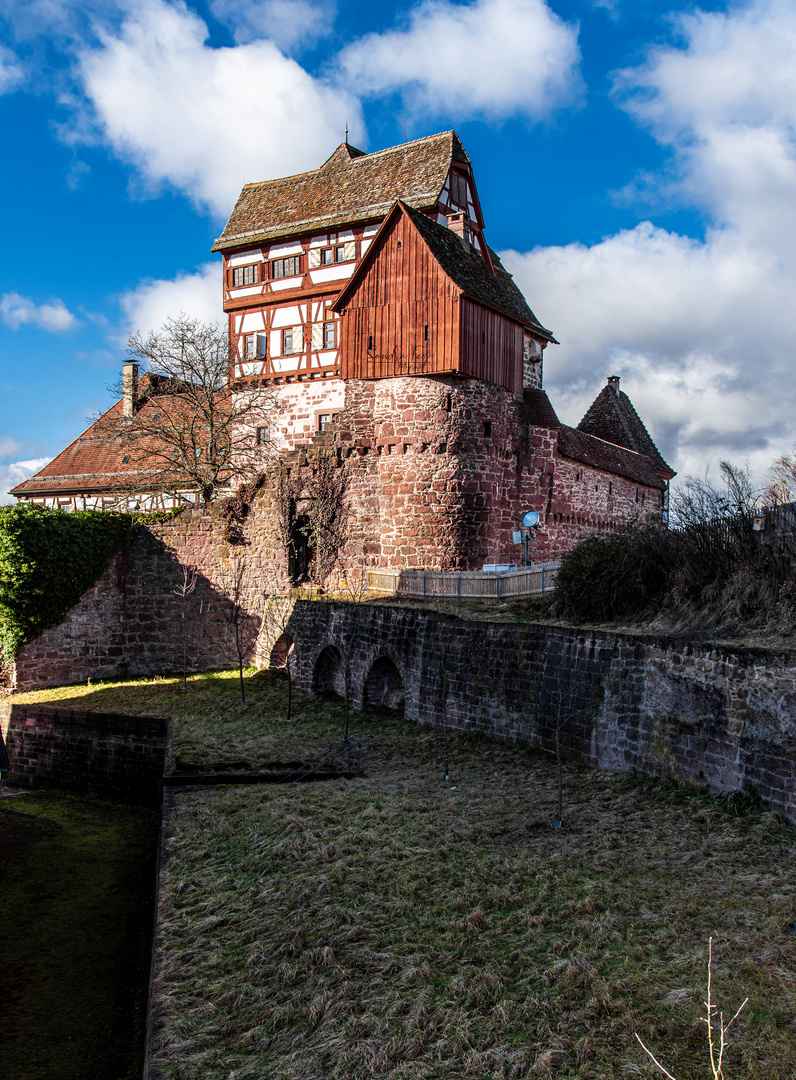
[(530, 519)]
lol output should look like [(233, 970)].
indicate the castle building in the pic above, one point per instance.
[(364, 295), (363, 298)]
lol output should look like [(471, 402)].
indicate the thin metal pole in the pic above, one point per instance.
[(543, 581), (424, 586), (459, 591)]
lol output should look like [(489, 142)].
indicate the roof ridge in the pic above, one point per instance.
[(361, 156)]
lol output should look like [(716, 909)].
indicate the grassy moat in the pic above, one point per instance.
[(401, 926)]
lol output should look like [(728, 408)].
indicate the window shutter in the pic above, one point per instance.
[(298, 339), (261, 346), (350, 250), (314, 258), (317, 336)]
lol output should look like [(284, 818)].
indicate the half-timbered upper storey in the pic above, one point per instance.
[(292, 244)]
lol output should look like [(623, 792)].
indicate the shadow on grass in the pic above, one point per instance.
[(76, 895)]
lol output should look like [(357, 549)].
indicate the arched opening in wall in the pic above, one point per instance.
[(283, 655), (384, 687), (329, 674)]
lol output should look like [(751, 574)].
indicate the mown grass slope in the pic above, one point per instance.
[(401, 926)]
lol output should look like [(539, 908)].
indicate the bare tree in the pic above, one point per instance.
[(781, 486), (192, 427), (239, 627), (183, 591)]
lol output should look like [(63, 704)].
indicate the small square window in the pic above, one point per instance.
[(324, 421), (339, 254), (287, 341), (327, 256), (261, 437)]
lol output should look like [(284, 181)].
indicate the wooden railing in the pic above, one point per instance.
[(536, 580)]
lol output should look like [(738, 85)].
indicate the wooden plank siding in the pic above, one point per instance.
[(491, 346), (404, 290)]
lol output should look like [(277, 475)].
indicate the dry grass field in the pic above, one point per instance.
[(401, 926)]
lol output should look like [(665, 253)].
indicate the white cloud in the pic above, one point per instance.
[(197, 295), (702, 331), (15, 473), (208, 120), (19, 311), (12, 71), (288, 23), (491, 58)]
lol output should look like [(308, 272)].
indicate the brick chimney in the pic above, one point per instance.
[(129, 390), (613, 382), (459, 223)]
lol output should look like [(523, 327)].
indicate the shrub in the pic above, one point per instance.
[(48, 558), (618, 576)]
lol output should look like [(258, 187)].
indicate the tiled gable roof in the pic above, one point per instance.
[(465, 267), (577, 445), (611, 416), (94, 463), (350, 186)]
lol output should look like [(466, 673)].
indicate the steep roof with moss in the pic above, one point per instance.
[(350, 186)]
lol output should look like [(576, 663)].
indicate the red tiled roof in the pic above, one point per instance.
[(589, 450), (94, 463), (350, 186), (611, 417)]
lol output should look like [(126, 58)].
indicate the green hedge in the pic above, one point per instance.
[(48, 558)]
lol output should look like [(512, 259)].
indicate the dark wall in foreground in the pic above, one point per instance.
[(116, 757), (710, 715)]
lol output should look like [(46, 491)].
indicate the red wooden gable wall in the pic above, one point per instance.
[(404, 316), (402, 292)]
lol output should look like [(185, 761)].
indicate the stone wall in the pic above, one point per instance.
[(717, 716), (116, 757)]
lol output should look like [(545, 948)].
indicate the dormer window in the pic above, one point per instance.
[(245, 275)]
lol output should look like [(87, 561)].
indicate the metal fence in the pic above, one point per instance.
[(535, 580)]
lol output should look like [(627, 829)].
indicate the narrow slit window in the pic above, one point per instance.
[(487, 429), (425, 332)]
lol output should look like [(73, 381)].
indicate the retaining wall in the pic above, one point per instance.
[(710, 715), (116, 757)]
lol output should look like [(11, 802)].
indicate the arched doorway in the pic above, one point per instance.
[(283, 655), (384, 687), (329, 674)]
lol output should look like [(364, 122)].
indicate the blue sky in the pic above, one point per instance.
[(636, 165)]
